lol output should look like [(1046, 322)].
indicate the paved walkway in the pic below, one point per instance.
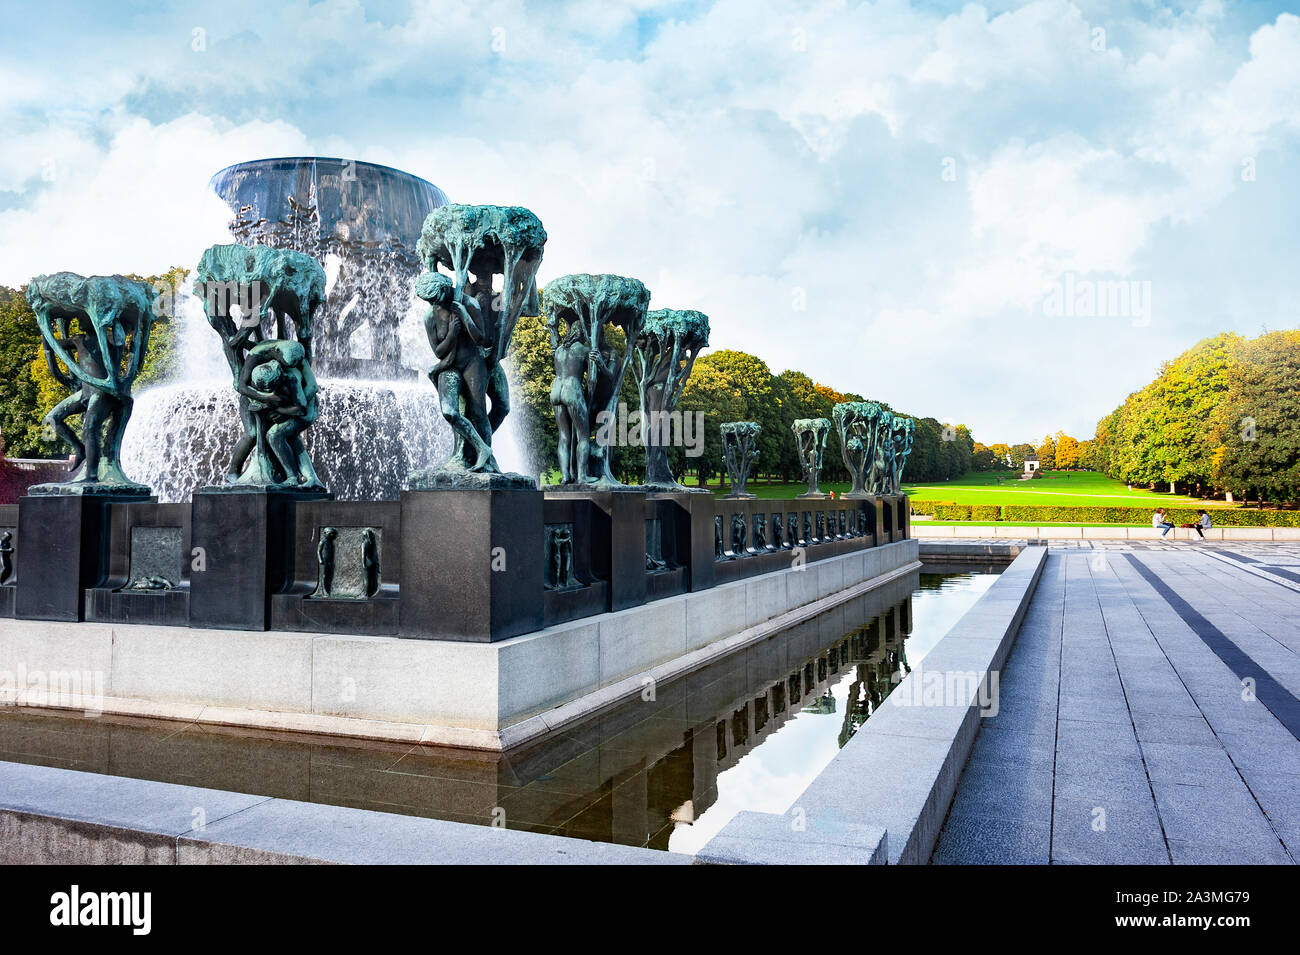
[(1148, 713)]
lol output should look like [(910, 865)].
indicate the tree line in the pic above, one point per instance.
[(725, 385), (1223, 418)]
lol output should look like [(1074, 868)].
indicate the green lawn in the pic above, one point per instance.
[(1077, 488)]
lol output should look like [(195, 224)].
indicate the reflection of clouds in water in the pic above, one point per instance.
[(773, 775)]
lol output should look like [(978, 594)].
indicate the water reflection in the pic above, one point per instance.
[(748, 732)]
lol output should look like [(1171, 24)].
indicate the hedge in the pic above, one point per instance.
[(1064, 514)]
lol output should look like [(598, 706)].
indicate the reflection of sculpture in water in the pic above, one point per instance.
[(559, 558), (325, 560), (114, 316), (6, 556)]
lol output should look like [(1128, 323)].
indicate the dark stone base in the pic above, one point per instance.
[(738, 497), (168, 608), (666, 583), (7, 595), (297, 493), (63, 547), (454, 479), (117, 492), (602, 488), (374, 617), (561, 606), (246, 542), (471, 564)]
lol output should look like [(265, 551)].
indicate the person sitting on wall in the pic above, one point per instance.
[(1159, 523), (1202, 523)]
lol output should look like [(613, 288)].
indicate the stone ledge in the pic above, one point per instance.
[(899, 772), (473, 695), (61, 816)]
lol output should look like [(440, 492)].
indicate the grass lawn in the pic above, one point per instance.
[(918, 522), (1079, 488)]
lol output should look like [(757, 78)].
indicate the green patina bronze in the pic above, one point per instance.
[(900, 446), (255, 297), (469, 326), (589, 371), (858, 424), (96, 334), (664, 354), (810, 436), (739, 450)]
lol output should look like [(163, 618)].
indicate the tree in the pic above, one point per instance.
[(1256, 430), (1046, 451), (711, 397), (1067, 451), (762, 402), (982, 458), (1018, 454)]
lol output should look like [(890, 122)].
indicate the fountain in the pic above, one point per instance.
[(378, 417)]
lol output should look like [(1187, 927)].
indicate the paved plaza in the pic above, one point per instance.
[(1148, 713)]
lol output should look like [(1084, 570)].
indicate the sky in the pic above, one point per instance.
[(1003, 215)]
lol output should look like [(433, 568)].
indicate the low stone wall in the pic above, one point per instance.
[(54, 816), (889, 789), (924, 531), (481, 695)]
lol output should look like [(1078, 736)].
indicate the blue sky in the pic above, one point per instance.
[(883, 195)]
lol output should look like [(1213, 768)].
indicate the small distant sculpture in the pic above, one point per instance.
[(491, 254), (152, 582), (901, 439), (347, 563), (738, 534), (654, 551), (663, 357), (719, 548), (581, 313), (325, 562), (878, 475), (6, 557), (810, 436), (370, 561), (778, 532), (254, 298), (114, 316), (760, 532), (559, 558), (740, 449), (857, 423)]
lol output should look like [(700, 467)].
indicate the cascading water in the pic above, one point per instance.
[(378, 414)]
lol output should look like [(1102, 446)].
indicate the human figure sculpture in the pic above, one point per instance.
[(256, 298), (663, 356), (559, 547), (491, 255), (901, 439), (325, 562), (883, 454), (810, 436), (280, 391), (740, 450), (568, 397), (454, 325), (114, 316), (370, 561), (857, 423), (6, 557), (582, 312)]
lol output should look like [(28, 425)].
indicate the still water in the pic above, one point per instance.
[(750, 731)]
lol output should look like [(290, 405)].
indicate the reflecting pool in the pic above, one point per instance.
[(667, 771)]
